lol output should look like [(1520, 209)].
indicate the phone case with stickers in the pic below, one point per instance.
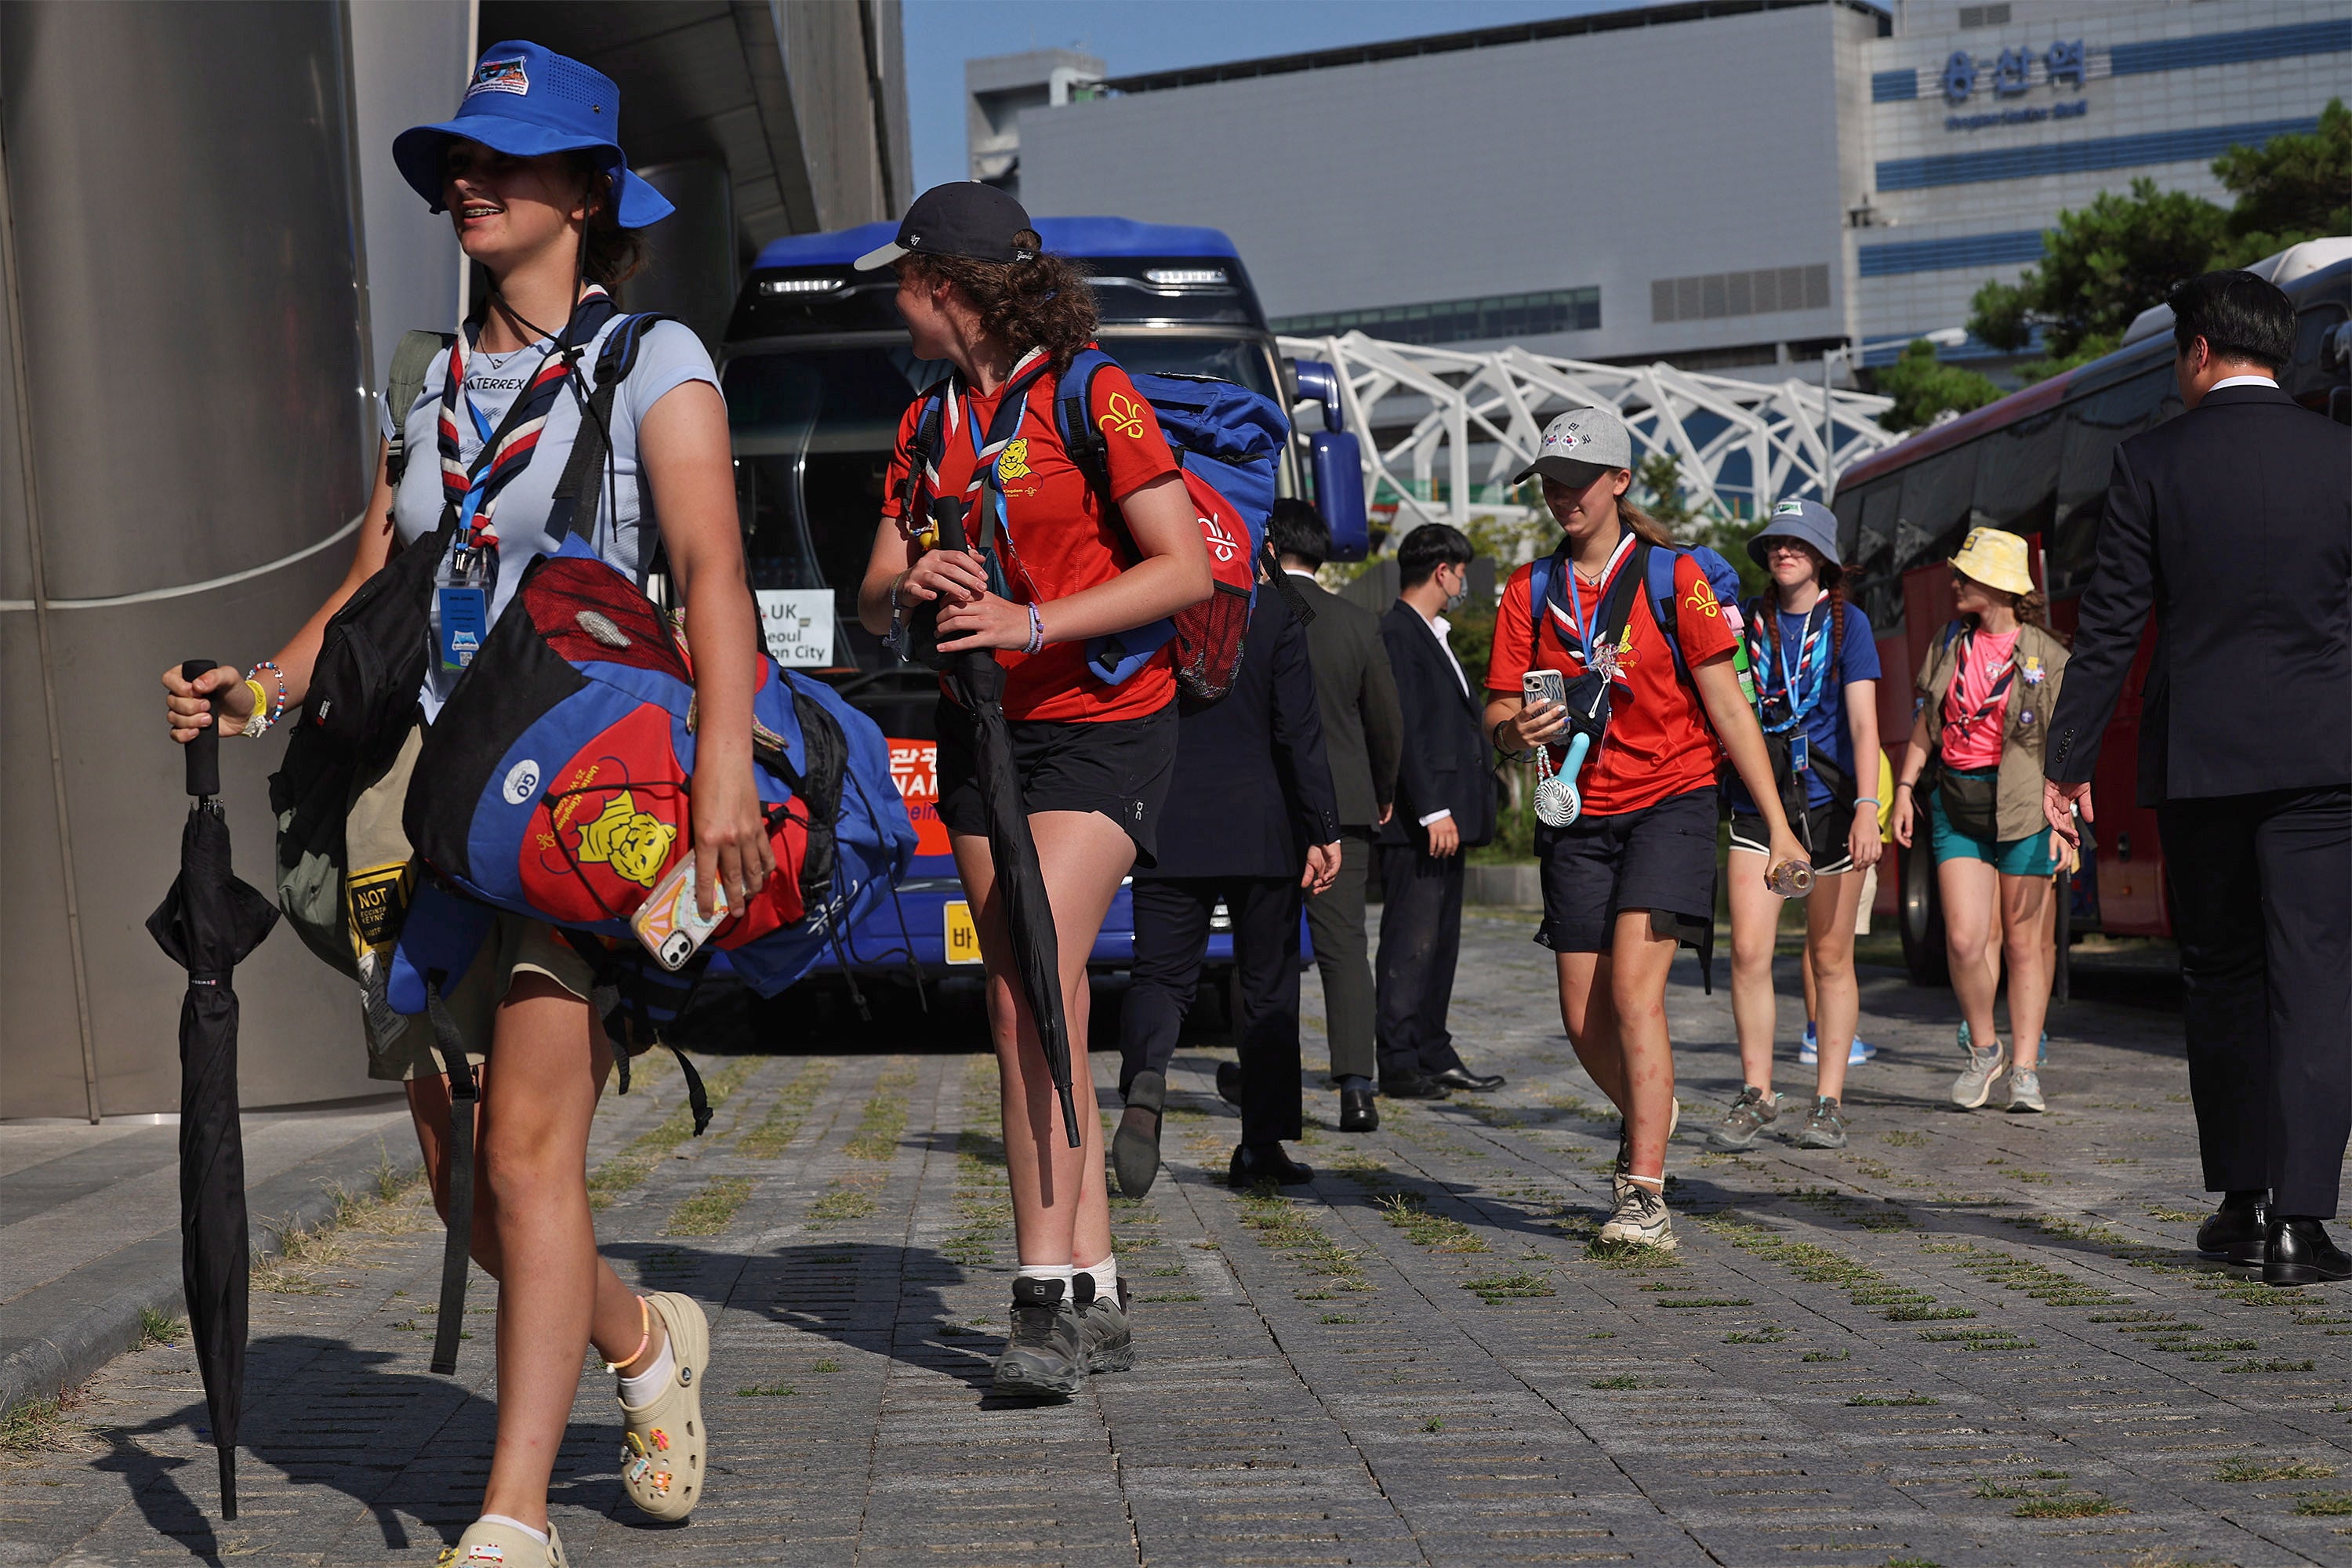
[(669, 922)]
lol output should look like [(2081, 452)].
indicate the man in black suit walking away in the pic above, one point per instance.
[(1250, 819), (1363, 729), (2233, 523), (1445, 805)]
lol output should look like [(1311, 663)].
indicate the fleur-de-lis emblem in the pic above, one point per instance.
[(1703, 600), (1126, 416)]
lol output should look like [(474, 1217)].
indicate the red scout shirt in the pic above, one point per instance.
[(1659, 743), (1062, 542)]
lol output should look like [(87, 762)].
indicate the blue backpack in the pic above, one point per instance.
[(1229, 440)]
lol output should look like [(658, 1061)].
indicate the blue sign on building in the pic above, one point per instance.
[(2011, 70)]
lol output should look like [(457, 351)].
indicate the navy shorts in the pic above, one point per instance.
[(1660, 859), (1119, 767)]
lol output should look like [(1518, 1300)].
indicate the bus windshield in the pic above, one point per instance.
[(814, 430)]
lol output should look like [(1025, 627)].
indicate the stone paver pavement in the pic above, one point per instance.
[(1966, 1339)]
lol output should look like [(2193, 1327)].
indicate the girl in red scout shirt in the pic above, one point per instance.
[(976, 290), (1633, 876)]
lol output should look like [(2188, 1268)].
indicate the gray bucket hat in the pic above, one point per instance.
[(1580, 446), (1807, 522)]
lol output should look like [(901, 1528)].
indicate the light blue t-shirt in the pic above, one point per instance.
[(669, 357)]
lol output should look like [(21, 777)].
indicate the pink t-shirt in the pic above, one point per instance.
[(1973, 717)]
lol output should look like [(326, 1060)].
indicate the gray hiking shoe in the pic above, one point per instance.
[(2025, 1092), (1641, 1218), (1109, 1342), (1974, 1086), (1824, 1127), (1755, 1110), (1044, 1356)]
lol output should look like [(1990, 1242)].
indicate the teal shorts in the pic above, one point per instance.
[(2010, 857)]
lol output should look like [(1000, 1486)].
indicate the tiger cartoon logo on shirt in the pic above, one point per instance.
[(1012, 463)]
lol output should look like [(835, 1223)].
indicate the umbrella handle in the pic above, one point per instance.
[(203, 751)]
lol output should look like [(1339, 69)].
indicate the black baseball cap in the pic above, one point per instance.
[(966, 218)]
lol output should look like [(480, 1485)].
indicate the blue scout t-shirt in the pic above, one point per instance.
[(1825, 725), (669, 357)]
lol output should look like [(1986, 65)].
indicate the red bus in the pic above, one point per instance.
[(2036, 463)]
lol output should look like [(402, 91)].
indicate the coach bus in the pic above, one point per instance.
[(816, 370), (2036, 463)]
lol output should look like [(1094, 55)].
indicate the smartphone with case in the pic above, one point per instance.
[(1544, 686), (670, 923)]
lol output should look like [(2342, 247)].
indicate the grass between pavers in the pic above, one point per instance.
[(159, 1328), (395, 1204), (789, 1111), (39, 1427), (1818, 1264), (707, 1212), (984, 1197), (628, 1169), (884, 1119), (1281, 1225), (2247, 1467), (1409, 1212), (2037, 1280)]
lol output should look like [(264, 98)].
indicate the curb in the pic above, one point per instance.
[(95, 1309)]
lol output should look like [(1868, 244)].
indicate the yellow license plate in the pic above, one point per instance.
[(962, 935)]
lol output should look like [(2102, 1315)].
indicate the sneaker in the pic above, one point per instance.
[(1755, 1110), (2042, 1054), (1641, 1218), (1044, 1356), (2025, 1091), (1824, 1127), (663, 1441), (493, 1543), (1810, 1051), (1974, 1086), (1109, 1342)]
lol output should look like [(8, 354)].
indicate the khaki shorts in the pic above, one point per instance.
[(401, 1046)]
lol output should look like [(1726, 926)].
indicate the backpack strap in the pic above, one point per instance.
[(411, 362), (1072, 403), (583, 475)]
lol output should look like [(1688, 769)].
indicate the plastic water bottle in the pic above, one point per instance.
[(1790, 878)]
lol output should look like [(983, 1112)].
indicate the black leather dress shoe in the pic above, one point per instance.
[(2236, 1231), (1357, 1111), (1229, 1083), (1471, 1082), (2299, 1252), (1256, 1162), (1135, 1147), (1413, 1086)]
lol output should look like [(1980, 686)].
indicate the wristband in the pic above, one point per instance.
[(1907, 783), (257, 721), (1867, 800), (1036, 631)]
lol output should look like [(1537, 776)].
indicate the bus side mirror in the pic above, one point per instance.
[(1338, 463)]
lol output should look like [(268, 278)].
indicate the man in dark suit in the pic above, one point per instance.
[(1250, 819), (1362, 731), (1445, 805), (2233, 524)]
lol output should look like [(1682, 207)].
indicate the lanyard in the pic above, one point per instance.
[(1574, 611), (1992, 699), (1801, 699)]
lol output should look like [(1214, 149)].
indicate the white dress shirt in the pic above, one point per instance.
[(1439, 629), (2270, 382)]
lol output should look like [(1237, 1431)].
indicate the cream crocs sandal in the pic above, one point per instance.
[(491, 1543), (664, 1445)]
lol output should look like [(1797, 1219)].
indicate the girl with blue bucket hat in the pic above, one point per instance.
[(532, 174)]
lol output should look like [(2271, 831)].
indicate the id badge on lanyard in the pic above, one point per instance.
[(465, 590)]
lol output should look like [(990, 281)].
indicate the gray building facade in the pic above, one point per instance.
[(1718, 184)]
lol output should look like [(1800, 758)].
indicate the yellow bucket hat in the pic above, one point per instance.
[(1996, 559)]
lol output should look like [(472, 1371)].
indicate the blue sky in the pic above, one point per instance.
[(1132, 35)]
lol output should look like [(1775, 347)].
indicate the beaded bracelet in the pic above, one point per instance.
[(261, 722), (1036, 631)]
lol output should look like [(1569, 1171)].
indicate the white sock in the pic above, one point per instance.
[(637, 1388), (1106, 1276), (1061, 1272), (538, 1535)]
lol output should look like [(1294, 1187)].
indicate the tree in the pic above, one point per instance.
[(2100, 268), (1924, 386), (2291, 188)]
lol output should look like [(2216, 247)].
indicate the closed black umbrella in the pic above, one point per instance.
[(979, 682), (207, 923)]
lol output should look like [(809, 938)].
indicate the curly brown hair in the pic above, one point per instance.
[(1042, 303)]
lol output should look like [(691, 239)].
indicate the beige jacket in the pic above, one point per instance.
[(2033, 697)]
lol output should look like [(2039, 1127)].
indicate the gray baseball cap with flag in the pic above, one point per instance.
[(1580, 446)]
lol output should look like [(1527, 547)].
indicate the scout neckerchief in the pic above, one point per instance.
[(2006, 671), (1602, 659), (471, 490), (983, 495), (1792, 690)]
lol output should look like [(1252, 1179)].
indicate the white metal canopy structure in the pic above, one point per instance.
[(1737, 441)]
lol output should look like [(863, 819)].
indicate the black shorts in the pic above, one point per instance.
[(1824, 833), (1660, 859), (1119, 767)]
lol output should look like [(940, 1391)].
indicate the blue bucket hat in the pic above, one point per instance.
[(525, 100), (1806, 521)]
